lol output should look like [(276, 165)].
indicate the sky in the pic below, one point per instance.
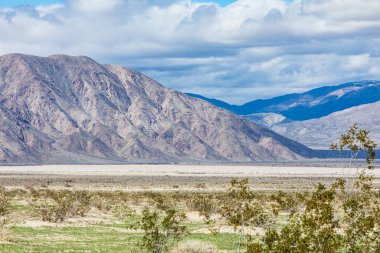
[(236, 51), (13, 3)]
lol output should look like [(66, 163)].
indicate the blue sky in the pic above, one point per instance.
[(250, 49), (220, 2), (11, 3)]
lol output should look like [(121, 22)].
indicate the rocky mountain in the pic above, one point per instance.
[(216, 102), (267, 119), (312, 104), (63, 109), (323, 131)]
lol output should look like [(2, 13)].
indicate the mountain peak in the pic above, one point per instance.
[(64, 109), (69, 58)]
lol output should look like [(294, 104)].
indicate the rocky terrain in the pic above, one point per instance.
[(321, 132), (316, 118), (267, 119), (63, 109)]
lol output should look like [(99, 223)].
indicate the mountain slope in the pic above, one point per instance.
[(315, 103), (323, 131), (216, 102), (63, 109), (267, 119)]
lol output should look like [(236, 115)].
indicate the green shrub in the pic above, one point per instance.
[(5, 201), (241, 208), (57, 206), (5, 208), (344, 217), (162, 227)]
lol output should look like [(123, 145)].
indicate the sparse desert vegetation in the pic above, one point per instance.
[(70, 220), (189, 126), (61, 213)]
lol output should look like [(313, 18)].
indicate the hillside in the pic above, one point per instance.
[(63, 109), (323, 131), (312, 104)]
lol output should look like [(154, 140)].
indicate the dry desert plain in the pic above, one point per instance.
[(171, 176), (115, 195)]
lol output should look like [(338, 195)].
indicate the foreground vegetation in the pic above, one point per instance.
[(343, 216)]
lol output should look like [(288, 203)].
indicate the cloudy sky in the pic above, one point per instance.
[(232, 50)]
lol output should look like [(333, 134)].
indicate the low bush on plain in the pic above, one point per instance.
[(57, 206)]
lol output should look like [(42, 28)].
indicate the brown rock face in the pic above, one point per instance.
[(63, 109)]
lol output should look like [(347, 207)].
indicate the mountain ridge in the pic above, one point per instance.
[(315, 103), (65, 109), (318, 129), (323, 131)]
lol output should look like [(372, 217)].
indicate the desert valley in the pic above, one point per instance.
[(189, 126), (92, 149)]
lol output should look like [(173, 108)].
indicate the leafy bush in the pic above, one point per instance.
[(161, 229), (205, 205), (344, 217), (242, 209), (287, 202), (57, 206), (104, 201), (5, 208), (5, 201)]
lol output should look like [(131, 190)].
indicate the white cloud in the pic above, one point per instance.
[(45, 10), (249, 49), (94, 6)]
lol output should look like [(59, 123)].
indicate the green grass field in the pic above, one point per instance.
[(95, 238)]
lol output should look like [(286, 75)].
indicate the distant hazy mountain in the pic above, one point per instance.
[(323, 131), (267, 119), (216, 102), (315, 103), (64, 109)]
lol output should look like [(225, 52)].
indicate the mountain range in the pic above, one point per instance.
[(64, 109), (321, 132), (312, 104), (317, 117)]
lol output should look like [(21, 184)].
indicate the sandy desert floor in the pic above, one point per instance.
[(125, 189), (171, 177)]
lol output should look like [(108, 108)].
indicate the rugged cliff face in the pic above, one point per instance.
[(63, 109)]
